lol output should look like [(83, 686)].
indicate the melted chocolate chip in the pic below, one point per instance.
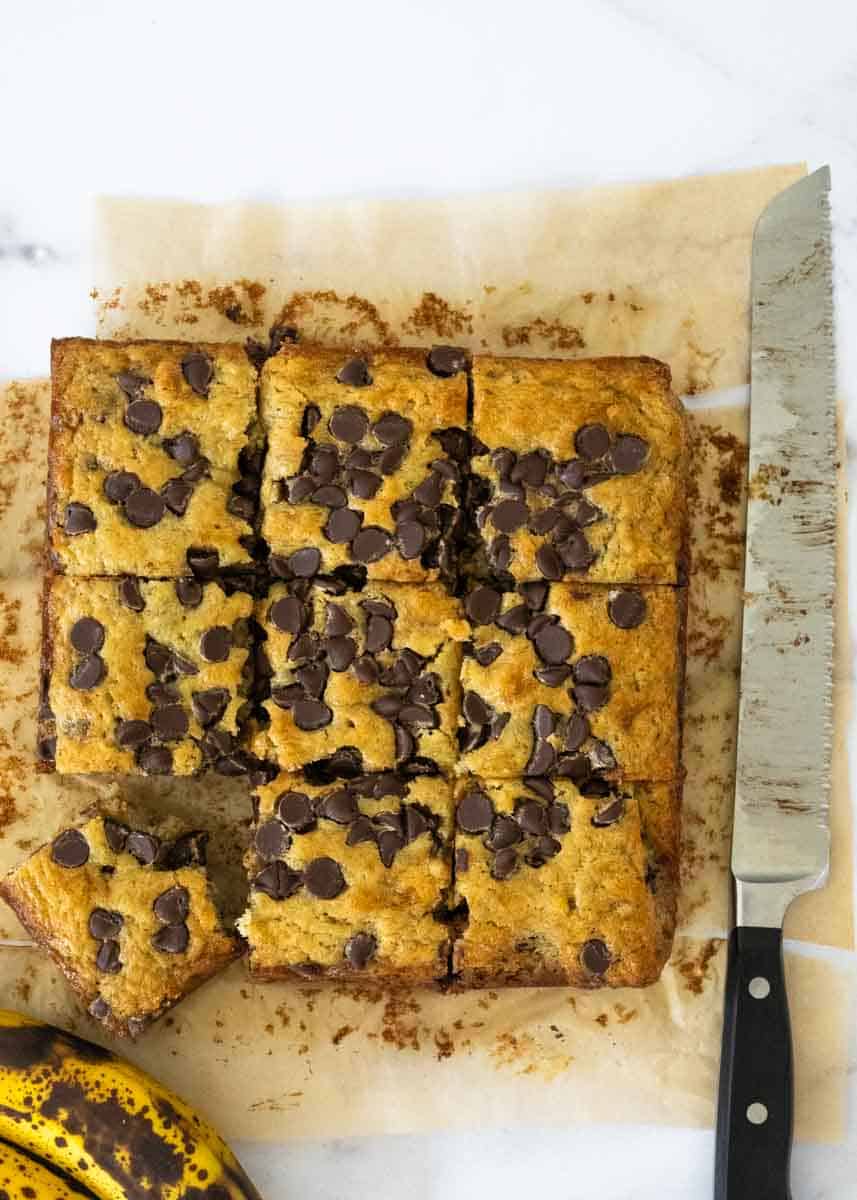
[(143, 846), (362, 830), (485, 655), (595, 956), (203, 562), (553, 676), (155, 760), (559, 818), (370, 544), (105, 923), (515, 619), (360, 949), (173, 905), (107, 957), (592, 668), (389, 844), (541, 760), (505, 863), (310, 715), (278, 881), (271, 841), (366, 669), (79, 518), (342, 525), (628, 453), (592, 442), (354, 373), (576, 553), (627, 608), (87, 635), (143, 417), (543, 721), (577, 731), (305, 563), (132, 384), (295, 810), (329, 495), (177, 493), (144, 508), (170, 722), (216, 643), (184, 448), (198, 371), (115, 834), (341, 652), (348, 423), (323, 878), (446, 361), (172, 939), (392, 429), (510, 515), (412, 537), (610, 813), (549, 563), (88, 673), (505, 832), (379, 634), (553, 643), (475, 812), (70, 849), (189, 592), (120, 484), (482, 605), (130, 735)]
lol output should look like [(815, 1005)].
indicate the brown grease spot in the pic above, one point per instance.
[(555, 333), (434, 315)]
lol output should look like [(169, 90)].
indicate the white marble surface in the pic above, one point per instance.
[(273, 100)]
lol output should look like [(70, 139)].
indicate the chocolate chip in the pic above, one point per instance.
[(482, 605), (305, 563), (573, 766), (592, 668), (370, 544), (515, 619), (271, 841), (130, 735), (505, 832), (576, 553), (87, 635), (99, 1008), (576, 732), (392, 429), (176, 495), (601, 756), (189, 592), (430, 491), (339, 806), (534, 595), (627, 608), (298, 488), (310, 715), (510, 515), (107, 957), (294, 809), (184, 448), (309, 420), (475, 812), (119, 484), (542, 759), (595, 956), (360, 949), (379, 634), (366, 669), (592, 442), (46, 748), (104, 923), (389, 844), (505, 863), (340, 652), (144, 508), (628, 453), (173, 905), (287, 614), (278, 881), (88, 673), (405, 744), (462, 861), (418, 716), (342, 525), (362, 830), (188, 850), (542, 787), (543, 721), (79, 518), (354, 373), (308, 645), (446, 361), (586, 513), (531, 469), (485, 655), (115, 834), (549, 563), (553, 643), (198, 371), (158, 658), (391, 458), (216, 643), (143, 846), (143, 416), (172, 939), (329, 496), (412, 537), (425, 690), (532, 817), (416, 823), (155, 760), (498, 724), (197, 471), (610, 813), (70, 849), (348, 423), (475, 709), (323, 878), (387, 707), (203, 562), (184, 666), (170, 722), (131, 383), (559, 819), (573, 474), (544, 849), (553, 676), (590, 696)]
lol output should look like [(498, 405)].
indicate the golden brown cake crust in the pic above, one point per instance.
[(144, 473), (55, 903), (347, 879)]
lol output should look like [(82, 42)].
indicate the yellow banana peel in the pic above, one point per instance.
[(105, 1123)]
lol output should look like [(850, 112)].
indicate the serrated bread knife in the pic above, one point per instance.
[(781, 836)]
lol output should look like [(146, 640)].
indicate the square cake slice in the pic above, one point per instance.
[(155, 457), (580, 683), (563, 888), (350, 879), (373, 675), (143, 676), (580, 471), (127, 917), (365, 462)]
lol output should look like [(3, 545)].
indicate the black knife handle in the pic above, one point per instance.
[(753, 1152)]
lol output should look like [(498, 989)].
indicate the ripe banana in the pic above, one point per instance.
[(22, 1178), (105, 1123)]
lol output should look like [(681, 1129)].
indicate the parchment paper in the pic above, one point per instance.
[(661, 269)]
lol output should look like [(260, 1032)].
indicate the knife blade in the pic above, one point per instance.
[(781, 832)]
